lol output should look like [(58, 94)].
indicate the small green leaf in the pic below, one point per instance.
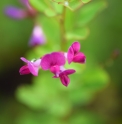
[(86, 1), (95, 78), (75, 4), (58, 8), (38, 5), (89, 11), (49, 12), (42, 6), (77, 34)]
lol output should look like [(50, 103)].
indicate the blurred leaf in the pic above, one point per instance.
[(90, 81), (85, 117), (51, 30), (75, 4), (49, 12), (45, 93), (69, 20), (61, 107), (85, 1), (89, 11), (58, 8), (38, 5), (95, 79), (30, 117), (43, 6), (77, 34)]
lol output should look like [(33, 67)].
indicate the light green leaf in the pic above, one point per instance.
[(89, 11), (95, 78), (49, 12), (85, 1), (89, 82), (75, 4), (77, 34), (85, 117), (69, 20), (51, 30), (43, 6), (38, 5)]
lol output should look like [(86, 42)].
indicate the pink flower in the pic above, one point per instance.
[(63, 75), (30, 67), (73, 54), (17, 13), (55, 62), (37, 37)]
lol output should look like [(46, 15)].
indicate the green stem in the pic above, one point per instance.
[(62, 29)]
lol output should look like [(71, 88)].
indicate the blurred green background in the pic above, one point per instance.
[(94, 95)]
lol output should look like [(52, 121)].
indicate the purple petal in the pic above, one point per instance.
[(58, 58), (33, 69), (76, 47), (67, 72), (55, 69), (49, 60), (46, 62), (24, 70), (70, 55), (15, 12), (24, 59), (37, 37), (65, 80), (79, 58)]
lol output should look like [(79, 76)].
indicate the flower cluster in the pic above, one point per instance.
[(37, 37), (55, 62)]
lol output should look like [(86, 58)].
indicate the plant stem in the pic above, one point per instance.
[(62, 29)]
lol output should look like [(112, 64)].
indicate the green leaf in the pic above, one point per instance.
[(90, 81), (95, 78), (89, 11), (85, 1), (43, 6), (38, 5), (85, 117), (69, 20), (77, 34), (58, 8), (75, 4), (51, 30)]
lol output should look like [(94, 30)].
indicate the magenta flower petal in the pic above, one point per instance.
[(53, 59), (79, 58), (24, 70), (33, 69), (33, 66), (15, 12), (70, 55), (46, 62), (76, 47), (64, 79), (24, 59), (55, 69), (64, 76), (73, 54), (68, 72), (37, 37), (58, 58)]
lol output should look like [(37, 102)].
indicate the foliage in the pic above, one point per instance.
[(55, 103)]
